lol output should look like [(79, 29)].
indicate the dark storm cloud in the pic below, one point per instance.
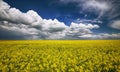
[(15, 24)]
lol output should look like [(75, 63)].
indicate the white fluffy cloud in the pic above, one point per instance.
[(15, 15), (116, 24), (15, 24)]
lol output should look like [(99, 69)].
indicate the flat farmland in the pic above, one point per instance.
[(60, 56)]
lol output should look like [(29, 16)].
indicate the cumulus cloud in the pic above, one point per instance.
[(75, 30), (115, 24), (15, 24), (16, 16)]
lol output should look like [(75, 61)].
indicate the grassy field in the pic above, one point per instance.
[(60, 56)]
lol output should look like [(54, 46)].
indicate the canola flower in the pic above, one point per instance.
[(60, 56)]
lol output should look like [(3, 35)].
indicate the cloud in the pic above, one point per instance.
[(114, 12), (53, 25), (101, 36), (88, 21), (75, 30), (47, 32), (69, 1), (115, 24), (16, 16), (104, 8), (99, 7), (15, 24), (96, 6), (17, 31)]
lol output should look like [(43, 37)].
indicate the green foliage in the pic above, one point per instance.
[(60, 56)]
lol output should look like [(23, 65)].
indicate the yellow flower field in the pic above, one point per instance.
[(60, 56)]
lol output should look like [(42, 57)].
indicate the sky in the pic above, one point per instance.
[(59, 19)]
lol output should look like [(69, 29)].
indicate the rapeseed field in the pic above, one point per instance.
[(60, 56)]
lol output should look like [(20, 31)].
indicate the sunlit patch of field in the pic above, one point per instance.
[(60, 56)]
